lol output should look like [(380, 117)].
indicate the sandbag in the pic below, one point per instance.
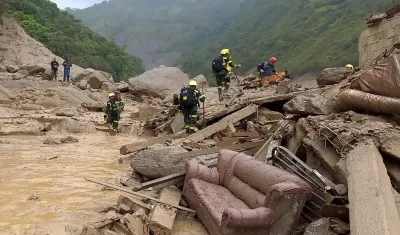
[(383, 79), (361, 101)]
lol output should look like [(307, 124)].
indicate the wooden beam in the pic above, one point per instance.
[(161, 180), (243, 134), (139, 195), (223, 123), (280, 97), (263, 151), (134, 147), (244, 146), (227, 142), (231, 127), (252, 151)]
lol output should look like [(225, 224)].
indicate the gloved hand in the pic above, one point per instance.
[(261, 71), (238, 66)]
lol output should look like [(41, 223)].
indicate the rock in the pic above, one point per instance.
[(331, 76), (327, 226), (94, 78), (157, 161), (33, 68), (47, 127), (47, 75), (33, 198), (12, 68), (83, 85), (108, 86), (3, 68), (201, 80), (311, 104), (158, 82), (20, 75), (68, 140), (123, 86), (283, 87), (270, 115), (66, 112), (52, 140), (6, 94), (73, 126)]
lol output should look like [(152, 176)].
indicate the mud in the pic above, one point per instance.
[(55, 175)]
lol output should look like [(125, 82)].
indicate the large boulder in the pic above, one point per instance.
[(309, 104), (108, 86), (33, 68), (158, 82), (47, 74), (94, 78), (201, 80), (331, 76), (20, 75), (158, 161), (123, 86)]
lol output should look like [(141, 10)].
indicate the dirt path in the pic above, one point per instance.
[(66, 201)]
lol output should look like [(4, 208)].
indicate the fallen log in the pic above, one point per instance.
[(140, 195), (223, 123)]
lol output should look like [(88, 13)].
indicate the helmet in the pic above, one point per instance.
[(225, 52), (112, 94), (272, 59), (349, 66), (192, 83)]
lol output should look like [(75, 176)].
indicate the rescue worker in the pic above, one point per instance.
[(54, 69), (118, 100), (67, 69), (267, 68), (112, 112), (350, 67), (189, 100), (222, 68)]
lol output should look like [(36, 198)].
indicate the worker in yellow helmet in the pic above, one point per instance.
[(189, 100), (350, 67), (222, 68), (112, 114)]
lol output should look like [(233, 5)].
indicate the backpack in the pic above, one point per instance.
[(217, 65), (187, 97), (114, 108)]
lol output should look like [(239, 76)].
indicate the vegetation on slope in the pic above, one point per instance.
[(66, 36), (305, 35), (159, 31)]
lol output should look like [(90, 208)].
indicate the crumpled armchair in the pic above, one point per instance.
[(244, 196)]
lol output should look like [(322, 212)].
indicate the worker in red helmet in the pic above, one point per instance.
[(267, 68)]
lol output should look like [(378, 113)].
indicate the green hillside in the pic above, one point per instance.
[(66, 36), (160, 31), (305, 35)]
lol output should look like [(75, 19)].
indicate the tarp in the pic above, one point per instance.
[(361, 101), (383, 79)]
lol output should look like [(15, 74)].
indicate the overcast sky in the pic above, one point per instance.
[(75, 3)]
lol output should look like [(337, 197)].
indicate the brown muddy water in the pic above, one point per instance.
[(41, 195), (43, 190)]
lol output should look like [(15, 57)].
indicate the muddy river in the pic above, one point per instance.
[(43, 190)]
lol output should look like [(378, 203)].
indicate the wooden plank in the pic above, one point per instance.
[(161, 219), (134, 147), (288, 96), (223, 123), (244, 146), (243, 134), (178, 182), (227, 142), (139, 195), (252, 151), (162, 180), (263, 151), (231, 127)]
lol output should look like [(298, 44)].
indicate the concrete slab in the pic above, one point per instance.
[(372, 204)]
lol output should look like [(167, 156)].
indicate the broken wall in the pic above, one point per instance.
[(378, 37)]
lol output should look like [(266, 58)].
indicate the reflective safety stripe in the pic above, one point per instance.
[(202, 96), (184, 98), (194, 116), (192, 128)]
